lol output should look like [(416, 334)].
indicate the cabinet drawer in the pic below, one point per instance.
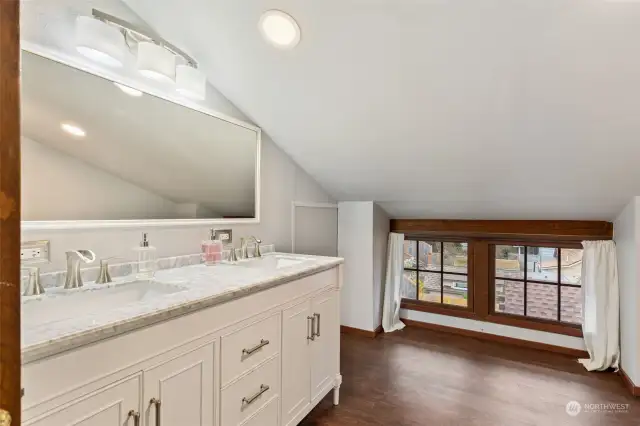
[(268, 416), (248, 347), (249, 394)]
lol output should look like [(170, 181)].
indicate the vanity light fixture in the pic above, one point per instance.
[(156, 62), (191, 82), (279, 29), (129, 90), (100, 41), (73, 130), (157, 59)]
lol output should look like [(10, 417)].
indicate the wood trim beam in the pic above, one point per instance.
[(360, 332), (10, 365), (576, 353), (550, 230)]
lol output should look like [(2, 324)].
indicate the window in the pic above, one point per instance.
[(524, 274), (436, 272), (538, 282)]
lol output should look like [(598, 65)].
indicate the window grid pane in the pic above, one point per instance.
[(538, 282), (430, 287), (428, 264)]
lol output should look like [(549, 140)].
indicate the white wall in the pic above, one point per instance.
[(497, 329), (56, 186), (307, 239), (355, 245), (381, 226), (627, 238)]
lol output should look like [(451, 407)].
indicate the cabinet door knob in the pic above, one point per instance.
[(5, 418), (317, 316), (262, 344), (136, 417), (313, 321), (156, 402)]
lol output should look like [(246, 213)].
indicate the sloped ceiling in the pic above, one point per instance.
[(491, 109)]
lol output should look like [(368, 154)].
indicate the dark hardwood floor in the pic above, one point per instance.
[(421, 377)]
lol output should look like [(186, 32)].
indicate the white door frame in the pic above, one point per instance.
[(295, 204)]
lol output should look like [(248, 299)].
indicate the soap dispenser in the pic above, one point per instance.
[(212, 249), (146, 259)]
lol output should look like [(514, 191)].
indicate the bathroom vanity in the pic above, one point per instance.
[(254, 343)]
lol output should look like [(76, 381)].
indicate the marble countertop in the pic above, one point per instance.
[(199, 286)]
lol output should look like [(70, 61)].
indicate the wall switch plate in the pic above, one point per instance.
[(224, 235), (34, 252)]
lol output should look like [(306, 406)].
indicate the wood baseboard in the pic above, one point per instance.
[(577, 353), (360, 332), (635, 390)]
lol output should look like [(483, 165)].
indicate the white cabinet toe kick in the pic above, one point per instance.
[(262, 360)]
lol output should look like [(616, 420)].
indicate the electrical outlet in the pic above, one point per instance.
[(34, 252), (224, 235)]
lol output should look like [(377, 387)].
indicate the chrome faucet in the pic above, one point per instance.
[(256, 251), (244, 253), (104, 277), (33, 287), (74, 278)]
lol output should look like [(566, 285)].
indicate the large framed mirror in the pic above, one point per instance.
[(96, 153)]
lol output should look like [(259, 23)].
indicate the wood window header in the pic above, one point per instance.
[(540, 230)]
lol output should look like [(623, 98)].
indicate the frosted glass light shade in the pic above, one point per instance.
[(156, 62), (100, 41), (191, 82)]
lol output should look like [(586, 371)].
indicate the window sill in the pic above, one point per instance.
[(437, 308), (535, 324), (502, 319)]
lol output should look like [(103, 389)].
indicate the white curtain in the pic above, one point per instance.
[(601, 305), (395, 269)]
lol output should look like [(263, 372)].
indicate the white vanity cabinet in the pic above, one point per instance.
[(310, 353), (265, 359), (180, 391), (113, 405)]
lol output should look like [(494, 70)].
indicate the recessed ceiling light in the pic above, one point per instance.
[(73, 130), (128, 90), (279, 29)]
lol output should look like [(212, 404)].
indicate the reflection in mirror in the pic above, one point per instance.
[(93, 150)]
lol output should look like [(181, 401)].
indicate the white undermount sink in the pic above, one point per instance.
[(273, 262), (60, 304)]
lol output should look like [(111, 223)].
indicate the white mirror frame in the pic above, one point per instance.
[(74, 62)]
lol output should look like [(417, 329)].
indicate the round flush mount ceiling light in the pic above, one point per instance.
[(129, 90), (279, 29), (156, 62), (72, 129), (100, 41), (191, 82)]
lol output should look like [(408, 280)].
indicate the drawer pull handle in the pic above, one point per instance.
[(136, 417), (156, 402), (260, 345), (313, 326), (250, 400), (317, 316)]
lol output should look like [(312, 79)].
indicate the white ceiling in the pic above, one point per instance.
[(176, 152), (437, 108)]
